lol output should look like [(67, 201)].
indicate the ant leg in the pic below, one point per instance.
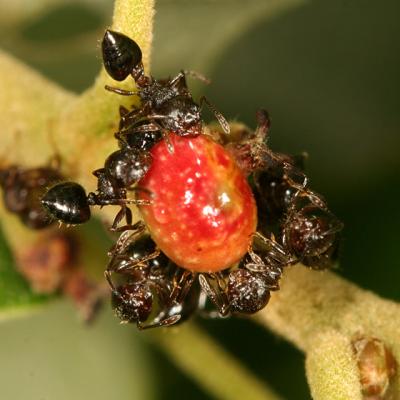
[(211, 314), (123, 111), (221, 119), (272, 273), (94, 199), (162, 319), (131, 264), (186, 287), (150, 127), (125, 228), (122, 92), (217, 296), (179, 81), (293, 176), (123, 212), (316, 199), (127, 268), (163, 323), (131, 116), (107, 275), (257, 265), (276, 253), (118, 218), (182, 286), (222, 288), (118, 202), (128, 216), (157, 116), (129, 232)]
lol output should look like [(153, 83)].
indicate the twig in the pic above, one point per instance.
[(199, 356), (321, 314)]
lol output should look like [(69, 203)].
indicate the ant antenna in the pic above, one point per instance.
[(264, 124), (221, 119), (197, 75), (122, 92)]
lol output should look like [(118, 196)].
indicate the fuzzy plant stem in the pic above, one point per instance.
[(323, 314), (199, 356)]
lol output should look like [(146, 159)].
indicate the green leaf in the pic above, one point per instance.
[(16, 297)]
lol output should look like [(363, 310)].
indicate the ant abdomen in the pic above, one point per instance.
[(127, 166), (132, 302), (311, 233), (121, 55), (67, 202), (248, 291)]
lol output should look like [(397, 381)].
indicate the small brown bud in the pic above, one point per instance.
[(377, 367), (44, 263)]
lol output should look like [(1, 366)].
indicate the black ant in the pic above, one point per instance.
[(166, 105), (68, 202), (274, 192), (144, 295), (247, 288), (309, 232), (23, 188)]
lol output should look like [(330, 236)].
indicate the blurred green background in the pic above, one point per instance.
[(328, 72)]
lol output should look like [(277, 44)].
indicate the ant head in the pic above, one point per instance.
[(312, 232), (127, 166), (191, 120), (184, 116), (120, 54), (247, 291), (67, 202), (132, 302)]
